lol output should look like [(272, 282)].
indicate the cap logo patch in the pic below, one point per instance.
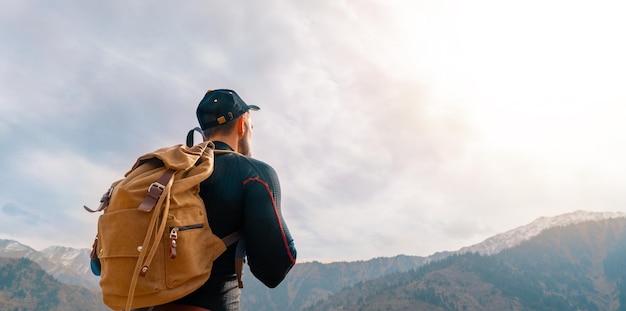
[(221, 120)]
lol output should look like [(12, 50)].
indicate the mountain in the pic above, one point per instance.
[(71, 266), (66, 264), (13, 249), (511, 238), (25, 286), (572, 267), (310, 282), (313, 281)]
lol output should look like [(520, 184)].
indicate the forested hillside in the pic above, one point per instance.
[(24, 286), (578, 267)]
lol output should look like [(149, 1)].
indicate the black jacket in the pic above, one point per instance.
[(243, 194)]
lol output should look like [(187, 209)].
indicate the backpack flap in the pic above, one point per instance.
[(181, 157)]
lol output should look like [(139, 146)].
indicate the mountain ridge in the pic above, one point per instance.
[(514, 237), (308, 281), (573, 267), (66, 264)]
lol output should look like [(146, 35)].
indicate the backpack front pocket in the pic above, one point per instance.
[(119, 255), (192, 248)]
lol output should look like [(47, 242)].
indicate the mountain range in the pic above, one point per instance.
[(576, 267), (314, 281), (319, 286), (66, 264)]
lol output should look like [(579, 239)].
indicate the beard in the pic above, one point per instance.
[(243, 147)]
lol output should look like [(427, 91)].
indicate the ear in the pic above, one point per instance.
[(241, 126)]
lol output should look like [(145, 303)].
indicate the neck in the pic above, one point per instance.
[(228, 139)]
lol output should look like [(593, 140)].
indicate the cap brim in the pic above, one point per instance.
[(254, 107)]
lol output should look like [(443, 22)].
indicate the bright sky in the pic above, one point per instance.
[(396, 127)]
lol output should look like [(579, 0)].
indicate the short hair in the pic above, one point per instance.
[(225, 128)]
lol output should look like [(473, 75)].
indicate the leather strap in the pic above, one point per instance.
[(155, 190), (232, 238), (104, 201)]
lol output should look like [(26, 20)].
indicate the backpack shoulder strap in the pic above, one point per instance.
[(231, 238), (190, 135)]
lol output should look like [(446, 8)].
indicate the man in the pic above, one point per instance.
[(242, 194)]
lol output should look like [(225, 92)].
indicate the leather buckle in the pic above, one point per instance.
[(157, 185)]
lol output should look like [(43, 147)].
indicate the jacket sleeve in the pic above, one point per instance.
[(270, 248)]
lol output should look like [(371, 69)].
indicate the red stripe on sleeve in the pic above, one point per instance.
[(280, 225)]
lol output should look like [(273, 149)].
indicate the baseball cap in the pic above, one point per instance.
[(221, 106)]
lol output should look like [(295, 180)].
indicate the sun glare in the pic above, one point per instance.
[(542, 83)]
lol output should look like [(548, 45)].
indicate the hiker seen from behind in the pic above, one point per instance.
[(242, 195)]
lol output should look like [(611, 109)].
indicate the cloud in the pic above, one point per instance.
[(395, 127), (13, 211)]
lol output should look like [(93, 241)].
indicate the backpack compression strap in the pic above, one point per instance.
[(155, 190), (104, 201)]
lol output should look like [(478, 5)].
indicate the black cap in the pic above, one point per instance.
[(219, 107)]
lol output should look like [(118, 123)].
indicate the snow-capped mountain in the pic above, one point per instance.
[(14, 249), (68, 257), (68, 265), (512, 238)]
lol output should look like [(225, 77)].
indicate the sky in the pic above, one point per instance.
[(396, 127)]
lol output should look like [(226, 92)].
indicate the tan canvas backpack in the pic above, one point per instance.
[(154, 244)]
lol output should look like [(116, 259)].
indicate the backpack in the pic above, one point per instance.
[(154, 244)]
